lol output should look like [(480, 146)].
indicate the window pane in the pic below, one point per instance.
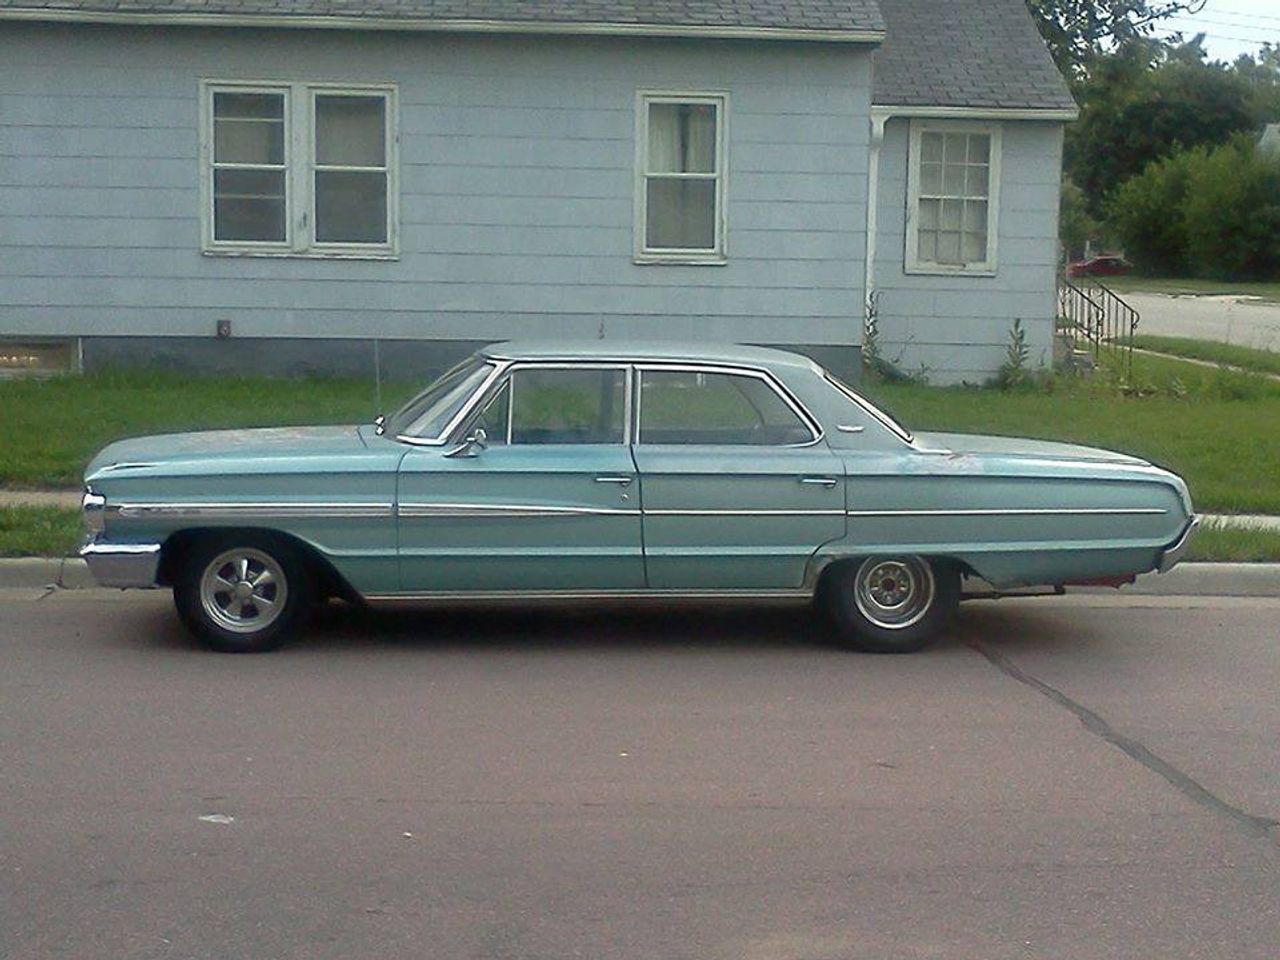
[(713, 408), (975, 181), (979, 148), (351, 131), (568, 406), (929, 214), (931, 147), (953, 180), (952, 214), (351, 207), (949, 248), (427, 414), (493, 419), (681, 214), (248, 141), (248, 205), (955, 148), (927, 246), (256, 106), (974, 247), (975, 216), (931, 178), (682, 138)]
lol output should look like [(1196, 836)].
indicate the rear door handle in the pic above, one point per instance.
[(611, 478), (819, 481)]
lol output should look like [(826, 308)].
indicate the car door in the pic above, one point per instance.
[(548, 502), (737, 487)]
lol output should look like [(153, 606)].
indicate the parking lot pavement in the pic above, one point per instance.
[(1073, 777)]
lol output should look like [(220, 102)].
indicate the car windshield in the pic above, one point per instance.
[(869, 407), (430, 412)]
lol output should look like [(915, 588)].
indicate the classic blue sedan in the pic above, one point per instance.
[(603, 470)]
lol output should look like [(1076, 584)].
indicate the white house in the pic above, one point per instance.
[(257, 185)]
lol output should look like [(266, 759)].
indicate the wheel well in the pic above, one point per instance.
[(825, 574), (175, 549)]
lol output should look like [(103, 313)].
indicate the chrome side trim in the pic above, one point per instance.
[(1012, 512), (744, 513), (122, 564), (570, 595), (421, 510), (252, 511), (1170, 557)]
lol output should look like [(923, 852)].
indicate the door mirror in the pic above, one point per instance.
[(477, 441)]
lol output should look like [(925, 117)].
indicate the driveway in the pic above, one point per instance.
[(1230, 319), (1079, 777)]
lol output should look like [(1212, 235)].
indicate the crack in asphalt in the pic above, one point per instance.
[(1260, 828)]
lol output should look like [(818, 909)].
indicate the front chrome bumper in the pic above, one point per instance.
[(1178, 548), (122, 564)]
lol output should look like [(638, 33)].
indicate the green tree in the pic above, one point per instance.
[(1079, 31), (1133, 113), (1146, 215)]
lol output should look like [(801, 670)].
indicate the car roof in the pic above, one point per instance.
[(639, 350)]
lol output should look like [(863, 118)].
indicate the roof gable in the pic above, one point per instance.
[(831, 20), (966, 54)]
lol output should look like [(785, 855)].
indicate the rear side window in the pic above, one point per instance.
[(550, 405), (697, 407)]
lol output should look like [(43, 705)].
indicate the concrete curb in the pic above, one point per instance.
[(1186, 579)]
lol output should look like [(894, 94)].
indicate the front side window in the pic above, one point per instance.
[(694, 407), (680, 189), (952, 198), (299, 169), (567, 405)]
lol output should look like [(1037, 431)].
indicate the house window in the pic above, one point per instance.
[(952, 198), (680, 185), (299, 169)]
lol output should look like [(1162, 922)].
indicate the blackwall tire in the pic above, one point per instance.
[(891, 604), (243, 593)]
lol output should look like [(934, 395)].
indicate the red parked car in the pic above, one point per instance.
[(1103, 265)]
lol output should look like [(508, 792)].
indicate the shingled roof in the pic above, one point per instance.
[(836, 20), (965, 53)]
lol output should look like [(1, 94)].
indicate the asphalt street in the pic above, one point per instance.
[(1078, 777), (1244, 321)]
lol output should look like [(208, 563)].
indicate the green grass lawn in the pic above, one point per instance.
[(39, 531), (1215, 427), (50, 428), (1176, 285), (1246, 358), (1222, 544)]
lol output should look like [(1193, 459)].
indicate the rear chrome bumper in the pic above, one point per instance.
[(122, 564), (1175, 551)]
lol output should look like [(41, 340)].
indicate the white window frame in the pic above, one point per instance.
[(300, 167), (911, 260), (718, 254)]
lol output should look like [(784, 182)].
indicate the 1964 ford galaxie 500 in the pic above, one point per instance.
[(620, 470)]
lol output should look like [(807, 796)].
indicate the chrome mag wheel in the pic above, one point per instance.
[(894, 593), (243, 590)]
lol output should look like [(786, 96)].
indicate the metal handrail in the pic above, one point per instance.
[(1096, 314)]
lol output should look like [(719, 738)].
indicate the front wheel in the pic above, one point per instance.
[(242, 593), (891, 604)]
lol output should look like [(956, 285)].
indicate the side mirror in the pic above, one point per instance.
[(472, 445)]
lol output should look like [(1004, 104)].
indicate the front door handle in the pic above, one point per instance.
[(619, 479), (819, 481)]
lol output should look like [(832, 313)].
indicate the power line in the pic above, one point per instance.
[(1244, 13), (1225, 23)]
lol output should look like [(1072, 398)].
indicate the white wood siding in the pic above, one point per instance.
[(956, 328), (516, 179)]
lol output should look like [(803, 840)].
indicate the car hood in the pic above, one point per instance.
[(269, 443), (964, 443)]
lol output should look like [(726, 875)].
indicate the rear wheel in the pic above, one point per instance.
[(241, 593), (891, 604)]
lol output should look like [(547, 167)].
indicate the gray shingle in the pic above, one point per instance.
[(810, 15), (965, 53)]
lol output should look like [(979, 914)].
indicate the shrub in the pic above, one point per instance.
[(1145, 213)]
